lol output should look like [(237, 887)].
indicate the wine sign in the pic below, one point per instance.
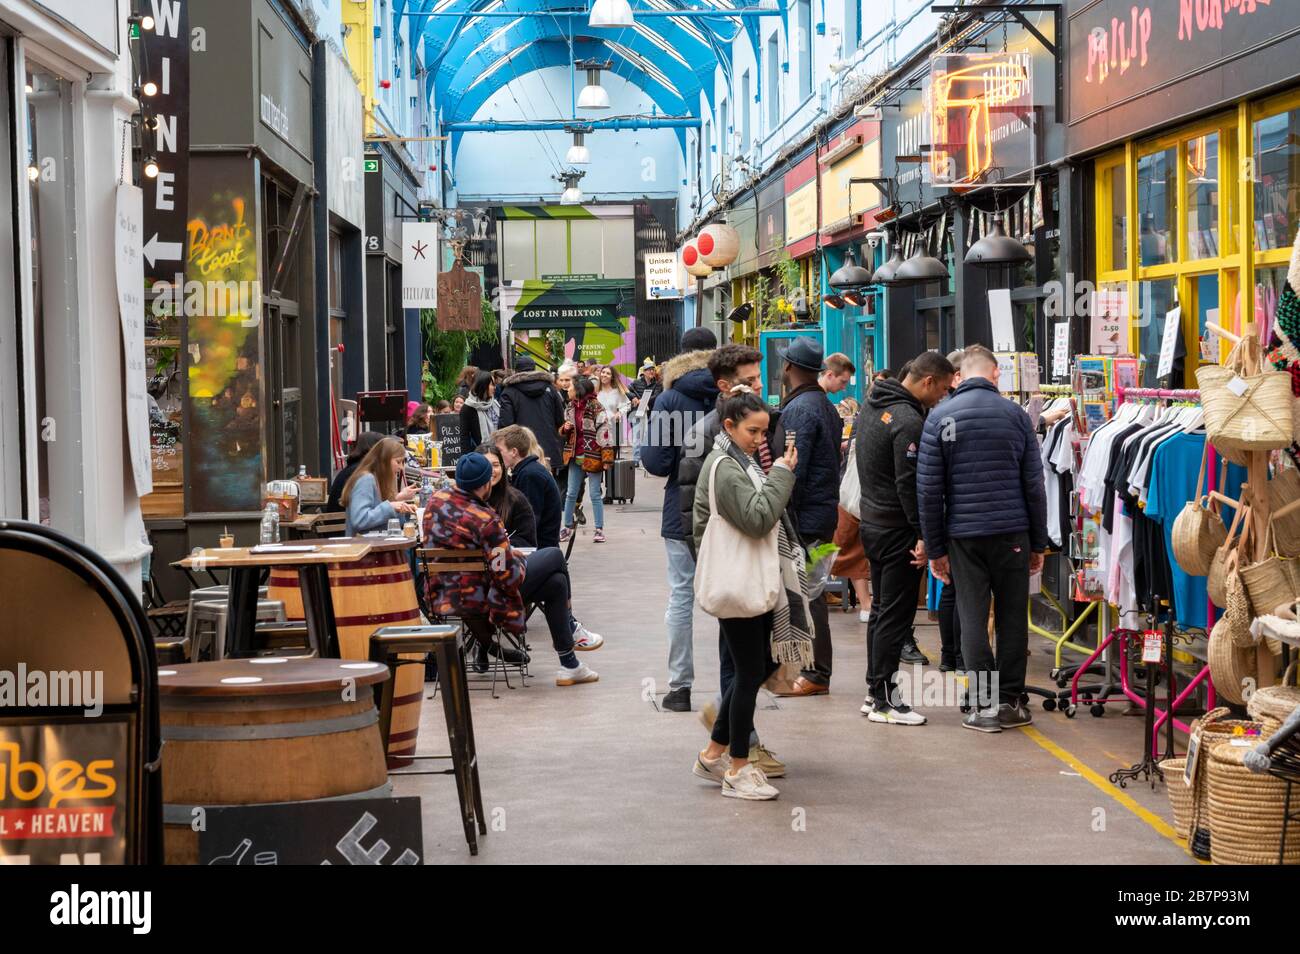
[(351, 831)]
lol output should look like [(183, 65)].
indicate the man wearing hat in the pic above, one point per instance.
[(529, 399), (643, 391), (808, 419), (461, 519)]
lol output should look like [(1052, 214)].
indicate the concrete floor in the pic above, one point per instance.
[(598, 774)]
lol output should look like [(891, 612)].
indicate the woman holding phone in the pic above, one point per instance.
[(372, 496)]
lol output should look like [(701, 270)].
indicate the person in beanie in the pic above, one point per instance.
[(983, 508), (689, 394), (808, 419), (529, 399), (460, 518), (888, 442)]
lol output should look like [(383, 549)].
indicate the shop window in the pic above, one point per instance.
[(1157, 186), (553, 250), (336, 270), (518, 260), (746, 109), (1268, 289), (1155, 299), (620, 250), (1277, 179), (1203, 303), (1201, 200), (1118, 217)]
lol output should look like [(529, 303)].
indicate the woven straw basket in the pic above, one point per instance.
[(1258, 419), (1270, 582), (1246, 812), (1215, 729), (1284, 489), (1225, 559), (1272, 704), (1230, 665), (1180, 794), (1198, 530)]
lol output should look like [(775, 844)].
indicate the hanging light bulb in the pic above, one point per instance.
[(571, 195), (149, 88), (578, 154), (850, 274), (610, 14), (997, 249), (593, 95), (33, 172), (921, 267), (151, 167)]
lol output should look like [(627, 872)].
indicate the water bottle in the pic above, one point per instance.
[(426, 491), (270, 524)]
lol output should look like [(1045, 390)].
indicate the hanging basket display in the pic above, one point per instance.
[(718, 244)]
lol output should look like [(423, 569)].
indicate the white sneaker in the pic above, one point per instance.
[(749, 783), (864, 616), (571, 677), (584, 640), (867, 704), (712, 770), (895, 715)]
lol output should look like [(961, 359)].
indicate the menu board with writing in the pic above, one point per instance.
[(447, 429)]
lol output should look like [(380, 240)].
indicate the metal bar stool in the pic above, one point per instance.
[(445, 642), (209, 619)]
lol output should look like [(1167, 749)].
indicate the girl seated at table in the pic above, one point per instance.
[(511, 506), (371, 496)]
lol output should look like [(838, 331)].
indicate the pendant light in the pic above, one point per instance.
[(572, 195), (921, 267), (610, 14), (593, 95), (884, 275), (997, 249), (850, 274), (578, 154)]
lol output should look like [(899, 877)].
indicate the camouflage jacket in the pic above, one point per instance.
[(457, 520)]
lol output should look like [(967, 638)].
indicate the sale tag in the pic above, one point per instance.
[(1152, 646), (1237, 386)]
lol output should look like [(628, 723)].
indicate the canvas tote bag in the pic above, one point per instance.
[(736, 575)]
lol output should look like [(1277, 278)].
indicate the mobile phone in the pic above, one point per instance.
[(789, 439)]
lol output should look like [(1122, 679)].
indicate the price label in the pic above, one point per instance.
[(1169, 343), (1153, 646), (1061, 350)]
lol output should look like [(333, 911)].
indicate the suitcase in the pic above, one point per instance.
[(621, 482)]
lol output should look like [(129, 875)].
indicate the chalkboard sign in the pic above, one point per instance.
[(349, 831), (447, 429)]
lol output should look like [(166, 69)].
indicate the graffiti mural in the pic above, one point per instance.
[(591, 316), (224, 353)]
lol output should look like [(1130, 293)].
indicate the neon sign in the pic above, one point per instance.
[(980, 118)]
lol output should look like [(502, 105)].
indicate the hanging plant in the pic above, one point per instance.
[(445, 352)]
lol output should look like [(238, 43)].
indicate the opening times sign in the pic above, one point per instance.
[(981, 120)]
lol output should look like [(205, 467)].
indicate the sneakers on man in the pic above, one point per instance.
[(983, 720), (566, 533), (891, 714), (598, 536), (767, 762), (867, 703), (864, 616), (579, 674), (584, 640), (677, 700), (749, 783), (912, 654), (712, 769), (1014, 716)]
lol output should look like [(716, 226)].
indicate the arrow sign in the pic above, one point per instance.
[(155, 250)]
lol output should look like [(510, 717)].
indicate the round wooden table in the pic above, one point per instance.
[(267, 730)]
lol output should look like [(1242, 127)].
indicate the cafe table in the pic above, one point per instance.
[(311, 561)]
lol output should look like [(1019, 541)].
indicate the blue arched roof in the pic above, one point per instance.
[(673, 59)]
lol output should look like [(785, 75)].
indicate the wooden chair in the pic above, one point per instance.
[(433, 561), (387, 645), (330, 525)]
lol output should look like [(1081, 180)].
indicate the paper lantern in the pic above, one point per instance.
[(718, 244), (692, 261)]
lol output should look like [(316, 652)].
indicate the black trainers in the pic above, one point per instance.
[(677, 700), (1014, 716), (912, 654), (983, 720)]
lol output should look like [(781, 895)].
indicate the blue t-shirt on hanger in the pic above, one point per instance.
[(1174, 469)]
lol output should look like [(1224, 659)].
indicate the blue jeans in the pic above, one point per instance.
[(681, 610), (593, 494)]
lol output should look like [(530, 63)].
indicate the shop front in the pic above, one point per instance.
[(245, 305), (850, 322), (1188, 129), (392, 332)]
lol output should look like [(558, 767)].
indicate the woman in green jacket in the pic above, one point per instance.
[(753, 503)]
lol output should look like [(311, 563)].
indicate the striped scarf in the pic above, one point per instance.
[(792, 629)]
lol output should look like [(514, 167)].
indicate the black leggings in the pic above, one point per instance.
[(546, 582), (747, 641)]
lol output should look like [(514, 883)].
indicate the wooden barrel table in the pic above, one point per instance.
[(376, 591), (269, 730)]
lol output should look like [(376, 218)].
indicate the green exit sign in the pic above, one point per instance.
[(135, 31), (372, 165)]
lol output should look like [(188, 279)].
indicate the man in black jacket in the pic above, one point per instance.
[(528, 398), (983, 508), (808, 416), (643, 392), (531, 478), (888, 442)]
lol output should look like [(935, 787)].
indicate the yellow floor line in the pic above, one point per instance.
[(1100, 783)]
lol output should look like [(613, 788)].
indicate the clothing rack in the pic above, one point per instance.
[(1162, 394)]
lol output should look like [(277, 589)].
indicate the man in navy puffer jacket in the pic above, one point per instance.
[(983, 513), (689, 394)]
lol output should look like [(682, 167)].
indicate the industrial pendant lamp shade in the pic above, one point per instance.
[(578, 154), (610, 14), (850, 274), (692, 261), (997, 249), (719, 244), (593, 95), (921, 267), (884, 275), (571, 196)]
